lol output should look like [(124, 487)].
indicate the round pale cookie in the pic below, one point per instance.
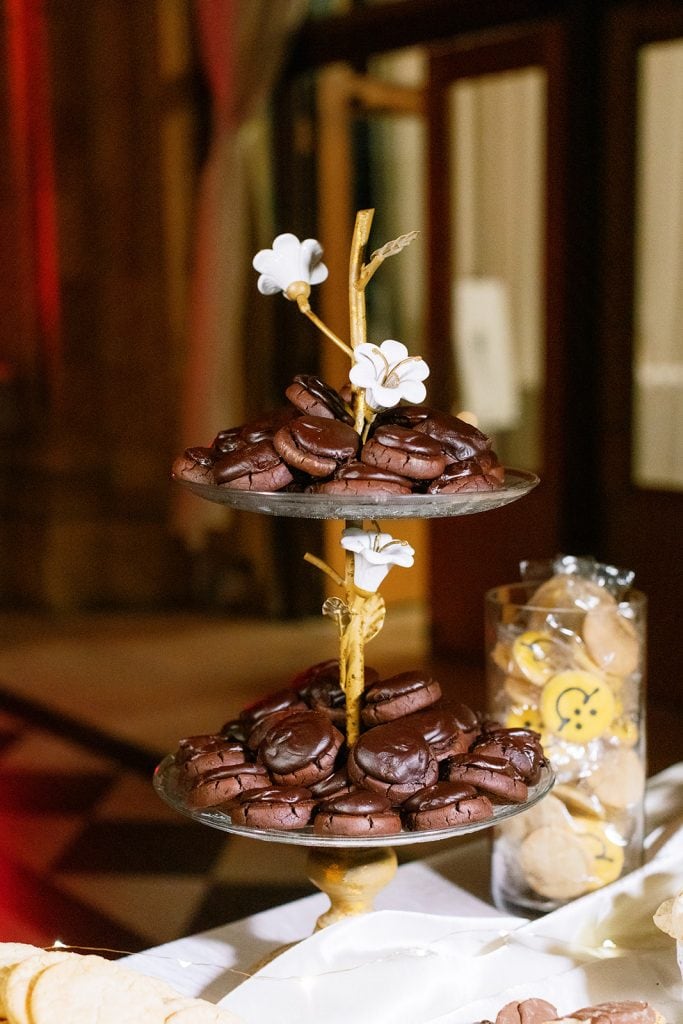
[(501, 655), (578, 801), (605, 850), (549, 812), (612, 640), (578, 706), (90, 988), (186, 1010), (162, 988), (534, 655), (555, 863), (19, 979), (12, 953), (567, 592), (619, 779), (521, 691), (669, 916)]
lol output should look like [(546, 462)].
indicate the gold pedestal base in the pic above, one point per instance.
[(350, 877)]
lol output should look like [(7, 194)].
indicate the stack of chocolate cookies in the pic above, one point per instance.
[(311, 445), (420, 762)]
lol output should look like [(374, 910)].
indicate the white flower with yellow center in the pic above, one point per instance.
[(290, 266), (374, 555), (388, 374)]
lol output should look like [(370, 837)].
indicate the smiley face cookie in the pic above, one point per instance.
[(605, 850), (532, 654), (577, 706)]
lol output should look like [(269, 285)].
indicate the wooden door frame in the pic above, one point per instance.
[(636, 521), (457, 616)]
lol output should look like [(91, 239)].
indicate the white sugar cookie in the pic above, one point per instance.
[(89, 989), (578, 801), (612, 640), (12, 953), (19, 980), (521, 691), (555, 863), (619, 779), (549, 812), (197, 1011), (162, 988)]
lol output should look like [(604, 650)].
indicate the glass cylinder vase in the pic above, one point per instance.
[(566, 658)]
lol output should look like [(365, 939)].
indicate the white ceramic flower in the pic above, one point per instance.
[(289, 262), (374, 555), (388, 374)]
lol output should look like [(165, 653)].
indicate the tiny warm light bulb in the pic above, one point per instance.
[(58, 944)]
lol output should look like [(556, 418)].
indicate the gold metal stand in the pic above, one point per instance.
[(351, 878)]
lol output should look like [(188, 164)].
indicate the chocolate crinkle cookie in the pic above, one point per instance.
[(539, 1011), (311, 444)]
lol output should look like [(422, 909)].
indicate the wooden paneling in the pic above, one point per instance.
[(90, 518)]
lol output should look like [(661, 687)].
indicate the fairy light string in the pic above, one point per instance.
[(489, 943)]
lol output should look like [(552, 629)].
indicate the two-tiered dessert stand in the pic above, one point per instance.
[(351, 870)]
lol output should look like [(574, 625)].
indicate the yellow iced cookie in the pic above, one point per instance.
[(624, 731), (532, 654), (524, 718), (606, 854), (577, 706)]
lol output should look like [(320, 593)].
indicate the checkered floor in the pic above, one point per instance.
[(91, 856)]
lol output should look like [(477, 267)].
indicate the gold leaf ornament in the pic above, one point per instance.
[(337, 610), (395, 246)]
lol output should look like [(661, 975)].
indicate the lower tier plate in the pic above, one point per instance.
[(167, 785)]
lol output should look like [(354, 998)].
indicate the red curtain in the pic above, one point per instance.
[(32, 161)]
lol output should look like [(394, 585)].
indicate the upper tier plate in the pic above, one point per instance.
[(518, 482), (167, 784)]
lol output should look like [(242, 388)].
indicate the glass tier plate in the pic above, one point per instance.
[(167, 785), (518, 482)]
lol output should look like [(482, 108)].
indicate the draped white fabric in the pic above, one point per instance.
[(243, 43)]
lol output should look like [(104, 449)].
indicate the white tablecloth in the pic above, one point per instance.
[(449, 884)]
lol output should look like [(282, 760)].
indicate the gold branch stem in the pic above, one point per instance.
[(351, 654), (359, 241), (368, 271), (324, 567), (357, 315), (354, 657), (304, 308)]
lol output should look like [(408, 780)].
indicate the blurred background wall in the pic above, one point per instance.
[(149, 149)]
